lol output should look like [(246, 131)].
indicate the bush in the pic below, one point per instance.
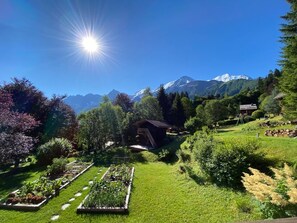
[(257, 114), (277, 196), (183, 156), (113, 155), (224, 162), (193, 124), (247, 119), (227, 122), (58, 166), (55, 148)]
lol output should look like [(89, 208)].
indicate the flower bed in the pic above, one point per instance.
[(32, 195), (111, 193)]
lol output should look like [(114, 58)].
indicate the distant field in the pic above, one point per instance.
[(283, 149)]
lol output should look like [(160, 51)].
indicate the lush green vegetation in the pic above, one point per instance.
[(281, 149), (112, 190), (160, 193)]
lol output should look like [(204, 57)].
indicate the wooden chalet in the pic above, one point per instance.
[(247, 109), (151, 133)]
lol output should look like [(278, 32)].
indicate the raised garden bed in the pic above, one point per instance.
[(111, 193), (32, 195)]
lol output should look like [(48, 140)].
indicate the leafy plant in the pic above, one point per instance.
[(58, 166), (277, 196), (112, 190), (55, 148)]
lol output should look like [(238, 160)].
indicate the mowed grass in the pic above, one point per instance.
[(282, 149), (160, 194)]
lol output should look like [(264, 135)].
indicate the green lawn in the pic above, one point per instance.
[(160, 194), (283, 149)]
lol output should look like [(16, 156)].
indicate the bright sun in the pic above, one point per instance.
[(90, 44)]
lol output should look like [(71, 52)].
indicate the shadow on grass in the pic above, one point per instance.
[(13, 179)]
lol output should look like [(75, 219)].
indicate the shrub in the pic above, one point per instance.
[(277, 196), (223, 162), (113, 155), (257, 114), (183, 156), (248, 118), (227, 122), (55, 148), (193, 124), (58, 166)]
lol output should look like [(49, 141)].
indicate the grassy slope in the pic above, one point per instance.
[(281, 148), (160, 194)]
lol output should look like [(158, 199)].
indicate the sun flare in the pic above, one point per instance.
[(90, 44)]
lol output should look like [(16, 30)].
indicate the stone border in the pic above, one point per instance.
[(36, 207), (81, 209)]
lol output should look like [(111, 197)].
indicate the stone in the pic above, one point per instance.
[(55, 217), (78, 194), (64, 206), (71, 199), (85, 188)]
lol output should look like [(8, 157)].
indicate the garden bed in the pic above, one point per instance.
[(33, 195), (111, 193)]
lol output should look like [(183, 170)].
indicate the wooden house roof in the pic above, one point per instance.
[(155, 123)]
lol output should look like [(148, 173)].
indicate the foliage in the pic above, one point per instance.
[(248, 118), (288, 81), (35, 192), (56, 119), (58, 166), (215, 111), (257, 114), (160, 193), (227, 122), (164, 103), (270, 105), (278, 195), (14, 128), (60, 121), (177, 112), (107, 157), (188, 107), (55, 148), (111, 191), (124, 101), (29, 100), (193, 124), (103, 124), (224, 161), (148, 108)]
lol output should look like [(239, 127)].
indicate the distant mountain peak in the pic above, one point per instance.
[(181, 81), (113, 94), (227, 77)]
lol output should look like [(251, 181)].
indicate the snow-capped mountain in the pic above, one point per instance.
[(170, 86), (219, 85), (138, 95), (228, 77)]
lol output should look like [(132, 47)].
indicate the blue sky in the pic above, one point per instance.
[(144, 42)]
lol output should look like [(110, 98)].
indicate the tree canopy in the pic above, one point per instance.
[(288, 81)]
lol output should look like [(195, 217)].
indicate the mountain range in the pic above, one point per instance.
[(224, 85)]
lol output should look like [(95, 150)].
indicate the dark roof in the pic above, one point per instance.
[(248, 107), (155, 123)]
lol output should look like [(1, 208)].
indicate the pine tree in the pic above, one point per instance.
[(288, 81), (163, 102)]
